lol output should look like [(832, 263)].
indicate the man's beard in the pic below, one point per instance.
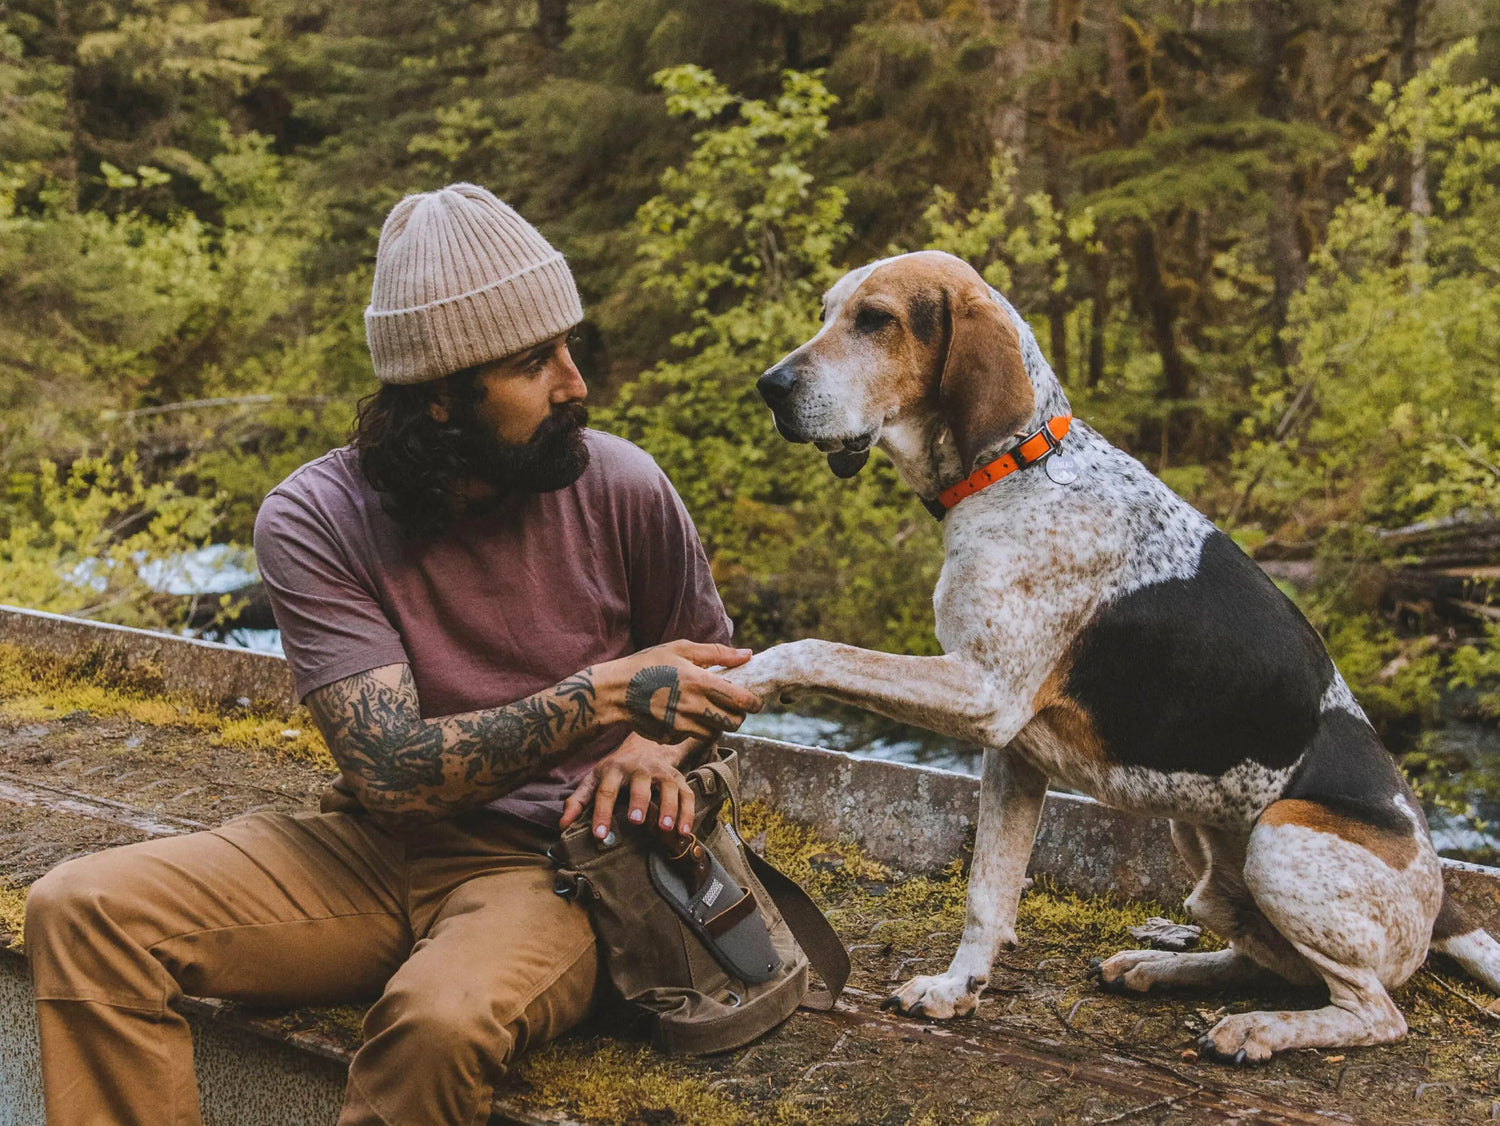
[(552, 458)]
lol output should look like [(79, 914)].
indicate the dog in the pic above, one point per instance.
[(1099, 631)]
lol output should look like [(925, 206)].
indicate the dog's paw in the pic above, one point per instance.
[(940, 998), (775, 675), (1130, 971), (1241, 1039)]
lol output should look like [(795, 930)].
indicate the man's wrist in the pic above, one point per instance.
[(609, 694)]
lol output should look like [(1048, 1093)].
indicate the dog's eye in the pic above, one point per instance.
[(872, 320), (822, 313)]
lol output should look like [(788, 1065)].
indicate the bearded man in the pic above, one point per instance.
[(497, 618)]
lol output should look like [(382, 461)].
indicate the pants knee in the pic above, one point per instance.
[(452, 1024), (58, 905)]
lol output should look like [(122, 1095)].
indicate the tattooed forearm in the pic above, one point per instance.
[(413, 768), (641, 695)]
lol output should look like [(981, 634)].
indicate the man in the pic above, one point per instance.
[(478, 599)]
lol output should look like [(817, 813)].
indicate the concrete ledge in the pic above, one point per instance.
[(917, 819), (209, 673)]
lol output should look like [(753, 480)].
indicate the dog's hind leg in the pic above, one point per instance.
[(1011, 792), (1221, 902), (1357, 901), (1463, 940)]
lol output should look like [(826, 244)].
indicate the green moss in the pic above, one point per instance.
[(37, 687), (13, 913), (614, 1082)]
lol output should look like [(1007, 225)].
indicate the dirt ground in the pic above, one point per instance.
[(1045, 1045)]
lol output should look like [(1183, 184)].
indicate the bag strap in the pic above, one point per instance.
[(811, 930)]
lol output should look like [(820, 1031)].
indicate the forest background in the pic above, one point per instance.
[(1259, 241)]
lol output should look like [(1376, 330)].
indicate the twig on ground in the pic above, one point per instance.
[(1464, 997)]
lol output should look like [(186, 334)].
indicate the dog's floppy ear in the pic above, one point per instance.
[(983, 388)]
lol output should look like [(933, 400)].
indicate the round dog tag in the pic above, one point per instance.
[(1061, 468)]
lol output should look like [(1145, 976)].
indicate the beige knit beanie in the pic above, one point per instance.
[(461, 279)]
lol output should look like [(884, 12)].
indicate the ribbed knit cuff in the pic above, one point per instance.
[(508, 316)]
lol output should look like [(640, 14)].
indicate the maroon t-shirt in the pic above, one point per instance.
[(501, 605)]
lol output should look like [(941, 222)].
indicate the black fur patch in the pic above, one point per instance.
[(1350, 772), (926, 317), (1451, 921), (1204, 673)]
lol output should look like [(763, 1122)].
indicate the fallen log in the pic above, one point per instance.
[(249, 608)]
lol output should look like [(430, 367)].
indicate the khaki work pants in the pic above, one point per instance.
[(454, 926)]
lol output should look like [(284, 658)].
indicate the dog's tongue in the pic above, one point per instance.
[(846, 463)]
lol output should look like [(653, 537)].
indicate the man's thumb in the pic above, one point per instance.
[(707, 655)]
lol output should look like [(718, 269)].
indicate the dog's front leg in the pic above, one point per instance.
[(950, 694), (1011, 791)]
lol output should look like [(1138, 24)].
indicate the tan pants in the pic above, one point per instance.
[(455, 928)]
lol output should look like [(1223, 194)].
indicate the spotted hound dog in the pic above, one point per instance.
[(1099, 631)]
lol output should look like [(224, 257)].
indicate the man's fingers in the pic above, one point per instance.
[(604, 802), (640, 796), (578, 800), (686, 809), (722, 721), (707, 654), (668, 817), (731, 697)]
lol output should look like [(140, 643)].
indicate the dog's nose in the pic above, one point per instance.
[(776, 385)]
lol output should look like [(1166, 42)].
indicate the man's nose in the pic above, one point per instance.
[(570, 387), (776, 385)]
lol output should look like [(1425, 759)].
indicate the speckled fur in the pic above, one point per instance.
[(1029, 564)]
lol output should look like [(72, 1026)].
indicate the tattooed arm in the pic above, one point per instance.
[(408, 769)]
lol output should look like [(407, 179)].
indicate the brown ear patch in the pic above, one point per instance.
[(984, 389), (1396, 848)]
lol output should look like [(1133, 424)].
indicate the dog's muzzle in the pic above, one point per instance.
[(846, 456)]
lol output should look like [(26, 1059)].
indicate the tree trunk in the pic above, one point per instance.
[(1059, 18), (1288, 267), (1098, 314), (552, 22), (1009, 128), (1155, 298), (1162, 311), (1407, 15)]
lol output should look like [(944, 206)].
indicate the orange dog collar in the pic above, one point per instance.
[(1031, 450)]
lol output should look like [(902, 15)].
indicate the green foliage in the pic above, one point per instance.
[(1008, 239), (85, 541), (1399, 326), (743, 237)]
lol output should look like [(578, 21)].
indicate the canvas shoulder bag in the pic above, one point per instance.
[(710, 944)]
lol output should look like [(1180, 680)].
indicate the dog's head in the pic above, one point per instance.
[(917, 331)]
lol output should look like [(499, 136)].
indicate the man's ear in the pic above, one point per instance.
[(983, 388), (437, 406)]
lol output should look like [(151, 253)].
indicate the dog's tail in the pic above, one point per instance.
[(1467, 943)]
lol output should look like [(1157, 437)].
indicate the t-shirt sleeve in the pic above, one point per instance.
[(331, 625), (672, 592)]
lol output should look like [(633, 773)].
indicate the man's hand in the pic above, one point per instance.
[(667, 693), (639, 767)]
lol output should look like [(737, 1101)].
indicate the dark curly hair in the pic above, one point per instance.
[(419, 465), (413, 461)]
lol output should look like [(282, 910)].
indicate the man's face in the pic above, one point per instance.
[(523, 432), (520, 391)]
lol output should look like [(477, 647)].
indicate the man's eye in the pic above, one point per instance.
[(872, 320)]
